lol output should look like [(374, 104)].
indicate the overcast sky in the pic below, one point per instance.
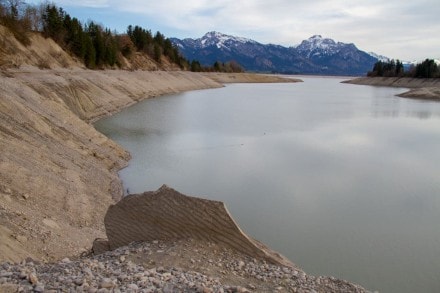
[(403, 29)]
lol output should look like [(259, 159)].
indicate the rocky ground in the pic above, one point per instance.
[(156, 266)]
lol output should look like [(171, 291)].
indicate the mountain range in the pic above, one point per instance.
[(316, 55)]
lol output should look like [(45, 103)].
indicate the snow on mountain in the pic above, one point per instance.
[(317, 46), (379, 57), (219, 40), (316, 55)]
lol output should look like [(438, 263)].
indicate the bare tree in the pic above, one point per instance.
[(13, 7), (32, 18)]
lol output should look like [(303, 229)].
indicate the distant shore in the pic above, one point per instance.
[(420, 88), (248, 78)]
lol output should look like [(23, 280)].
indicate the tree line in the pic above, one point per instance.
[(231, 66), (92, 43), (392, 68)]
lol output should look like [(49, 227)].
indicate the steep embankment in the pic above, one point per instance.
[(42, 53), (420, 88), (57, 172)]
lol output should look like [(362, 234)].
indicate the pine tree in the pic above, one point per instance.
[(90, 54), (157, 52)]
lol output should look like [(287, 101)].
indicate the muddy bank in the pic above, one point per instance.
[(420, 88)]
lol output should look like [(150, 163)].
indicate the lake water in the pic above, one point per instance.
[(342, 179)]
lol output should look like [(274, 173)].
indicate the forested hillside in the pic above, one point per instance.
[(90, 43)]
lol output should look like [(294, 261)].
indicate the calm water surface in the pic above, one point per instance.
[(342, 179)]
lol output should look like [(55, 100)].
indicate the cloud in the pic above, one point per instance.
[(84, 3), (396, 28)]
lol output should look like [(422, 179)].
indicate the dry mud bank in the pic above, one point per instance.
[(58, 175), (420, 88)]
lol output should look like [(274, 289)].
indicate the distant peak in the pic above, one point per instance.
[(214, 34), (221, 40)]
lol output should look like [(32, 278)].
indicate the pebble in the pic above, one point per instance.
[(106, 283), (133, 287), (112, 272), (33, 278), (65, 260)]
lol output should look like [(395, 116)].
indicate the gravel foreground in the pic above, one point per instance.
[(183, 266)]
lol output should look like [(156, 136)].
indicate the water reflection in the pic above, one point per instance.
[(394, 107), (342, 179)]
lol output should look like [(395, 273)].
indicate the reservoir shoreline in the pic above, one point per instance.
[(53, 157), (420, 88)]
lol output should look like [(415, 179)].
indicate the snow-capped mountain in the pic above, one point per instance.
[(220, 40), (317, 45), (316, 55), (379, 57)]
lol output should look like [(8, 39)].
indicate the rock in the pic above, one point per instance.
[(166, 276), (23, 275), (65, 260), (106, 283), (33, 279), (132, 287), (241, 265), (39, 288), (252, 287), (168, 288)]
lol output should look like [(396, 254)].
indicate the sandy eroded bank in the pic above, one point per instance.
[(420, 88), (58, 174)]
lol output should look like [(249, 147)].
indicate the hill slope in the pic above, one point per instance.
[(57, 173), (45, 53)]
